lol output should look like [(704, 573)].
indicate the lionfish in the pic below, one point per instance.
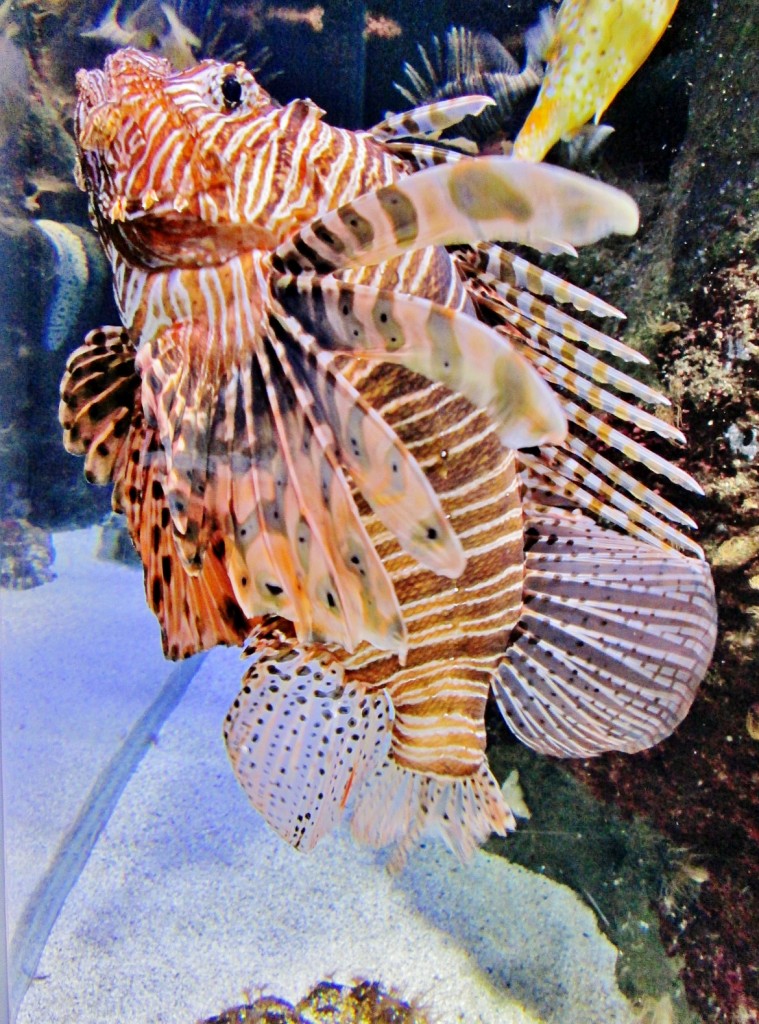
[(355, 434)]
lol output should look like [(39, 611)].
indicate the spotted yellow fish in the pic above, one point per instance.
[(595, 47), (353, 434)]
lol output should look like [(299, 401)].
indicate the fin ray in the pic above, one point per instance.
[(459, 203), (431, 118), (619, 670), (442, 344), (301, 738), (388, 476)]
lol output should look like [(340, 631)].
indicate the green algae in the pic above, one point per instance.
[(621, 868)]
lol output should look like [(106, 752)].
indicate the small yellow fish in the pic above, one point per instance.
[(596, 47)]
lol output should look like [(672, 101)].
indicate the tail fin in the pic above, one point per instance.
[(396, 806), (615, 637)]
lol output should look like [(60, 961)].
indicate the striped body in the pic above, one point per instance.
[(311, 416), (458, 629)]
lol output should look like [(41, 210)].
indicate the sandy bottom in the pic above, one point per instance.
[(188, 903)]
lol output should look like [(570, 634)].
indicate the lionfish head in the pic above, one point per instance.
[(158, 151)]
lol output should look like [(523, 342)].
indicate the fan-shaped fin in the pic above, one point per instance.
[(296, 546), (98, 393), (613, 641), (453, 348), (397, 806), (458, 203), (388, 476), (180, 381), (195, 612), (301, 739), (431, 118)]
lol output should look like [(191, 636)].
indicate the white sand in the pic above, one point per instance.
[(188, 900), (81, 659)]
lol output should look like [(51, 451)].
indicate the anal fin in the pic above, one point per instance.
[(301, 739)]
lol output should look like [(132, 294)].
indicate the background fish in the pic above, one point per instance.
[(592, 49), (311, 418)]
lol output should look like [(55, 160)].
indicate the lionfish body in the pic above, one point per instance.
[(312, 417)]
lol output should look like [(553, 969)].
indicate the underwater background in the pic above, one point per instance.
[(661, 847)]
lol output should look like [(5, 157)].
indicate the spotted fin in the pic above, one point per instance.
[(195, 612), (301, 739), (299, 547), (431, 118), (397, 806), (457, 203), (388, 476), (613, 641), (442, 344), (344, 579), (98, 392)]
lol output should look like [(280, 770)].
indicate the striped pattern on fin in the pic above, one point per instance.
[(573, 472), (613, 641), (296, 545), (301, 739), (558, 374), (387, 475), (276, 564), (396, 807), (195, 612), (518, 272), (431, 118), (346, 586), (542, 321), (245, 500), (421, 154), (467, 63), (460, 203), (180, 372), (440, 343), (98, 393), (564, 479)]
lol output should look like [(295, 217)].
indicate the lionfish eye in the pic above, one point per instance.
[(231, 90)]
